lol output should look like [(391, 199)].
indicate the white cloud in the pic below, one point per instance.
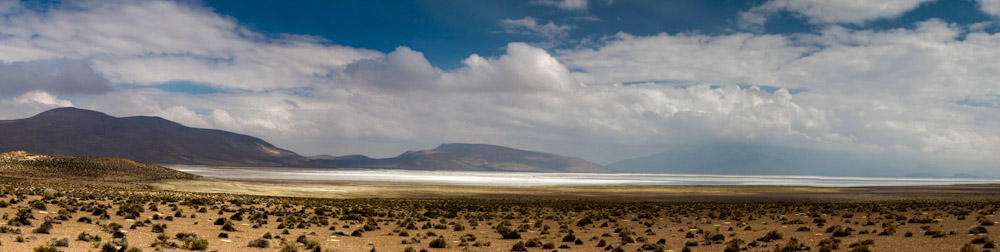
[(894, 89), (991, 7), (897, 90), (550, 31), (43, 99), (522, 68), (148, 42), (564, 4), (60, 76), (731, 58), (829, 12)]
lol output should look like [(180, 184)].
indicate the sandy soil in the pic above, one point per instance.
[(415, 215)]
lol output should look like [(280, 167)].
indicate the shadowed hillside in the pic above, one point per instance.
[(94, 169), (78, 132)]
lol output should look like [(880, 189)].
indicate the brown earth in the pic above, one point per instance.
[(806, 215), (146, 213)]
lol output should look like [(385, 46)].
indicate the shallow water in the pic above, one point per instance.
[(553, 179)]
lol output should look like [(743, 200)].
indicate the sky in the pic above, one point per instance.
[(604, 80)]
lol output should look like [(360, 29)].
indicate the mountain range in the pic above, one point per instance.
[(467, 157), (79, 132)]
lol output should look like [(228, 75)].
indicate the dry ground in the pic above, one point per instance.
[(473, 218)]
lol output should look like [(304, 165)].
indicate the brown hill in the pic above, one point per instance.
[(78, 132), (468, 157), (20, 164)]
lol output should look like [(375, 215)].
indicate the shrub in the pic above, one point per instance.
[(438, 243), (228, 227), (194, 243), (829, 244), (978, 230), (548, 245), (862, 245), (60, 242), (569, 238), (44, 248), (259, 243), (288, 248), (129, 211), (508, 233), (519, 246), (8, 229), (979, 240), (792, 245), (733, 245), (84, 236), (158, 228), (533, 243), (773, 235), (967, 248), (44, 228)]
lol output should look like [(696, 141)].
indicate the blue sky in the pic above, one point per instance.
[(598, 79), (448, 31)]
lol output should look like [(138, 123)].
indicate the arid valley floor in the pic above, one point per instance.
[(176, 213)]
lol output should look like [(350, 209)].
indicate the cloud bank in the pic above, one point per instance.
[(829, 12), (59, 76), (922, 91)]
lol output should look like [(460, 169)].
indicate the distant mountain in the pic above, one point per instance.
[(78, 132), (20, 164), (754, 159), (467, 157)]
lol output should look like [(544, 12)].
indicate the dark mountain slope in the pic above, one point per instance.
[(72, 131)]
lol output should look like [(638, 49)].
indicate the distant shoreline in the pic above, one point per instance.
[(487, 178), (682, 193)]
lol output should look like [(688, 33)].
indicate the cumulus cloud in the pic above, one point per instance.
[(43, 99), (829, 12), (59, 76), (733, 58), (522, 68), (564, 4), (893, 90), (991, 7), (926, 90), (150, 42)]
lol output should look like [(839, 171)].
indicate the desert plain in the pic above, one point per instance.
[(44, 207)]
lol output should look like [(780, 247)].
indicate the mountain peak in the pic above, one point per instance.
[(71, 113)]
